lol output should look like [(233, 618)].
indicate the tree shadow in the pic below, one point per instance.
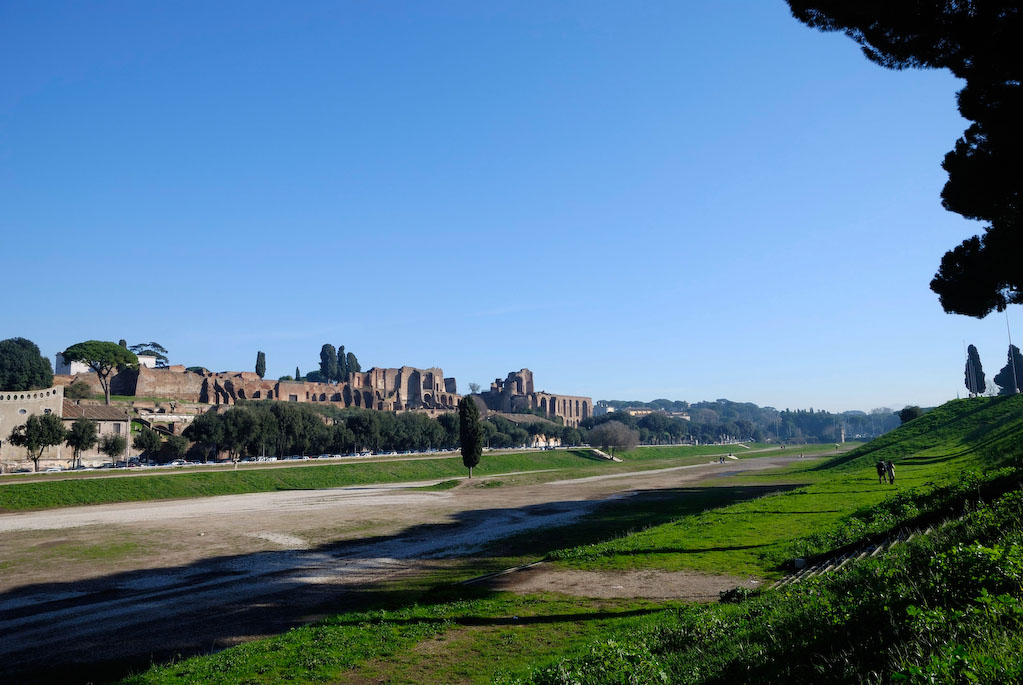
[(101, 629)]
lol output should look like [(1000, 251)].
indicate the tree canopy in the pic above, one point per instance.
[(38, 433), (978, 41), (260, 364), (152, 349), (1010, 379), (612, 435), (328, 363), (81, 437), (102, 357), (975, 382), (22, 367), (470, 432)]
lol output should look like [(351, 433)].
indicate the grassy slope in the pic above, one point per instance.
[(757, 537)]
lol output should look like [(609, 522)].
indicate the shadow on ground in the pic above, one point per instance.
[(102, 629)]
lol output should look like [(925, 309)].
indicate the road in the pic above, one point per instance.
[(221, 570)]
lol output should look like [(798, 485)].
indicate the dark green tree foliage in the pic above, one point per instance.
[(298, 374), (153, 349), (103, 358), (260, 364), (315, 377), (910, 413), (342, 365), (470, 433), (123, 343), (147, 441), (1010, 378), (978, 41), (22, 367), (80, 438), (38, 433), (352, 364), (328, 363), (113, 446), (176, 446), (975, 382), (78, 391), (207, 430)]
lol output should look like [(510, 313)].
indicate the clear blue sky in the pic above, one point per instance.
[(635, 200)]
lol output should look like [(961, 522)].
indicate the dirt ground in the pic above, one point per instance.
[(692, 587), (188, 576)]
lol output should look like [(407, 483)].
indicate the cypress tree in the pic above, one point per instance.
[(260, 364), (298, 374), (1008, 379), (470, 432), (342, 365), (328, 363), (353, 364), (975, 382)]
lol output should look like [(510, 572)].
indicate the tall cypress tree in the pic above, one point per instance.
[(353, 364), (342, 365), (1011, 376), (260, 364), (328, 362), (470, 432), (975, 382), (298, 374)]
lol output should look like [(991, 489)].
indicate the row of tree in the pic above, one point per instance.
[(1008, 379), (47, 430), (336, 366)]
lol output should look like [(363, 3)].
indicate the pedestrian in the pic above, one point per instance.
[(890, 470)]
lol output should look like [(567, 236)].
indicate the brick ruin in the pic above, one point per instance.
[(517, 394), (402, 389)]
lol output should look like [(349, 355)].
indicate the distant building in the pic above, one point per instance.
[(147, 360), (516, 393), (109, 421), (15, 408), (70, 368)]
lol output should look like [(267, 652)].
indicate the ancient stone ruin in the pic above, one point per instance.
[(517, 394)]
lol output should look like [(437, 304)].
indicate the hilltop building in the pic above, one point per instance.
[(517, 394)]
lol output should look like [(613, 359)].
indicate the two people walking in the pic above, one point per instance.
[(886, 470)]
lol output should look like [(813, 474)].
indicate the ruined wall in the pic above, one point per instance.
[(173, 382), (401, 389), (516, 394)]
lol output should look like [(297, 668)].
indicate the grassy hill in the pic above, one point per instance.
[(945, 607)]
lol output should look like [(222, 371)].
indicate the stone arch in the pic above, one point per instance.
[(358, 399), (427, 399), (586, 410), (367, 399), (346, 396), (323, 397), (543, 404), (336, 397)]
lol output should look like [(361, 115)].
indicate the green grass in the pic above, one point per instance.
[(757, 537), (63, 490), (920, 613), (465, 637)]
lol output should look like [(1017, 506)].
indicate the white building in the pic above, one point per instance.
[(70, 369)]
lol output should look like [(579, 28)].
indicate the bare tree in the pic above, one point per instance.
[(613, 435)]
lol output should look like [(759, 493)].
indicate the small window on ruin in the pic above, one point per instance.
[(117, 429)]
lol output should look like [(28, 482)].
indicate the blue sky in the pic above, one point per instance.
[(633, 200)]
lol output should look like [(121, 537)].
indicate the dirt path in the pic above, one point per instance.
[(207, 573)]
